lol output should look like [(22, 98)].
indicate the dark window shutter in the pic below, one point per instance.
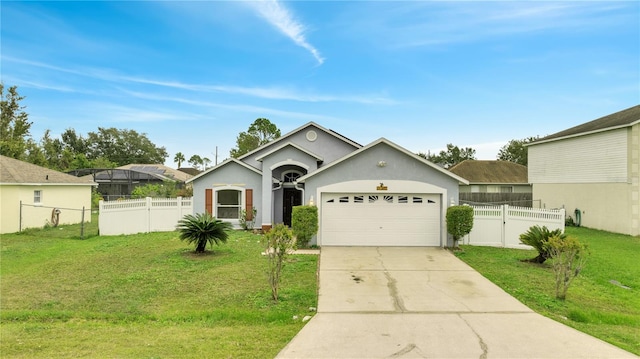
[(248, 203), (208, 200)]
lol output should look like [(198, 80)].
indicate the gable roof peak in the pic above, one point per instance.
[(299, 129)]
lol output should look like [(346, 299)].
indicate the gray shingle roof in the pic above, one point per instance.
[(619, 119), (480, 171), (16, 171)]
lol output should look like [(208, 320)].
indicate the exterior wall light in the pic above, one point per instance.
[(382, 164)]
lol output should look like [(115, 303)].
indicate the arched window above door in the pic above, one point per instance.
[(290, 176)]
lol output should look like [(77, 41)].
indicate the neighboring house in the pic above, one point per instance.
[(190, 170), (29, 194), (494, 182), (115, 183), (374, 195), (593, 170)]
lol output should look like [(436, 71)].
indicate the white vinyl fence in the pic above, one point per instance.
[(501, 226), (142, 215)]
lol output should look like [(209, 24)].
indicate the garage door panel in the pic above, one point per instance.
[(379, 220)]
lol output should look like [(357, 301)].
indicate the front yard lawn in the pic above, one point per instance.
[(145, 295), (594, 304)]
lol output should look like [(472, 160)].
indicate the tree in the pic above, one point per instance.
[(201, 229), (124, 147), (205, 163), (196, 161), (515, 151), (179, 158), (14, 124), (452, 156), (259, 133)]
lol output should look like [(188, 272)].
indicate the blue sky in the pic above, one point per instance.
[(192, 75)]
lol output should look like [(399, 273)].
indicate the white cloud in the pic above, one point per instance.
[(279, 16)]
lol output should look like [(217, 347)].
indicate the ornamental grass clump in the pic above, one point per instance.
[(202, 229), (567, 257)]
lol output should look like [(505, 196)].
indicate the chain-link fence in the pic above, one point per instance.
[(39, 216)]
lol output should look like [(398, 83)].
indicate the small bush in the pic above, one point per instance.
[(247, 224), (279, 243), (459, 222), (567, 256), (304, 222)]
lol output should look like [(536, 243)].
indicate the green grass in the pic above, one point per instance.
[(593, 305), (145, 296)]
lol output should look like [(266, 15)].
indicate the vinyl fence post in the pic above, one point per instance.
[(505, 219), (149, 200), (82, 224)]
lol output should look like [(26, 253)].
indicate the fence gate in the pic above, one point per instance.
[(501, 226)]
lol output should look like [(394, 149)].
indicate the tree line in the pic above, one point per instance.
[(112, 147)]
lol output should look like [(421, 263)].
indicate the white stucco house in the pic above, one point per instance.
[(593, 171), (375, 195), (40, 190)]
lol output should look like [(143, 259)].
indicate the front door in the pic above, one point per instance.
[(292, 198)]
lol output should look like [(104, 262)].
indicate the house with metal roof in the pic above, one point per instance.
[(34, 196), (593, 171)]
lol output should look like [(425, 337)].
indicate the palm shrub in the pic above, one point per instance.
[(202, 229), (568, 257), (538, 237), (304, 222), (459, 222)]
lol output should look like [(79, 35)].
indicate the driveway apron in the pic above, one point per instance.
[(423, 302)]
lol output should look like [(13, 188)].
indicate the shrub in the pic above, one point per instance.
[(245, 223), (537, 237), (202, 229), (279, 243), (567, 256), (304, 222), (167, 189), (459, 222)]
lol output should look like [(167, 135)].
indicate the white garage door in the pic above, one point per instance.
[(380, 219)]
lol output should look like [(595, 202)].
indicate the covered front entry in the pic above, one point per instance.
[(291, 197), (375, 219)]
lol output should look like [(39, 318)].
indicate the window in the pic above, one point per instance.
[(417, 199), (358, 199), (228, 204), (506, 189), (344, 199), (373, 199), (403, 199), (388, 199), (37, 196), (290, 177)]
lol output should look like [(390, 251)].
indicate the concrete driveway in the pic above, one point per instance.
[(403, 302)]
